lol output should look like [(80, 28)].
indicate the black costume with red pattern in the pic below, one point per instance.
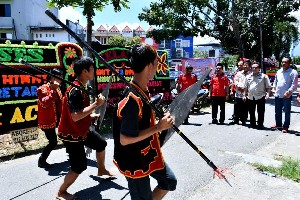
[(142, 158)]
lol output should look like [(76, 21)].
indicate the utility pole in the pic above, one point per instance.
[(261, 34)]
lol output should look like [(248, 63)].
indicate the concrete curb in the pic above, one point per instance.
[(249, 183)]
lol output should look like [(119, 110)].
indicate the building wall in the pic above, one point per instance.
[(30, 13), (181, 47), (214, 51), (49, 35)]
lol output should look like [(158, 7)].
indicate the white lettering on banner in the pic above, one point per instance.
[(24, 134)]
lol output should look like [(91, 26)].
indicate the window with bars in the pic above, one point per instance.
[(179, 53), (178, 43), (185, 43)]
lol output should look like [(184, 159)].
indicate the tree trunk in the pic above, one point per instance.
[(89, 31), (236, 29)]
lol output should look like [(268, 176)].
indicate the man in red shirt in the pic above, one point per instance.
[(219, 92), (184, 81)]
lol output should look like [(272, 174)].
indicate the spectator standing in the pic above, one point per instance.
[(218, 93), (240, 67), (49, 111), (240, 106), (257, 90), (184, 81), (285, 83)]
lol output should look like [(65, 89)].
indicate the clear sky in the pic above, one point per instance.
[(129, 17), (108, 17)]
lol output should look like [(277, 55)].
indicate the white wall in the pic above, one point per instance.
[(59, 36), (30, 13)]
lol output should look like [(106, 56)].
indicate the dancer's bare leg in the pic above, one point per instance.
[(68, 180), (100, 156), (158, 194)]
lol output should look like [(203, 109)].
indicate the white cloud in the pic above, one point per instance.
[(71, 14), (204, 40), (297, 15)]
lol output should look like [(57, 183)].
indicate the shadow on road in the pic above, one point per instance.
[(59, 169), (94, 193)]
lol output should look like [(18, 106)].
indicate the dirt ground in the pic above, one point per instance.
[(10, 150)]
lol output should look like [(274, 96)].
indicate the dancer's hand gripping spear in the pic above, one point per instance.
[(160, 114)]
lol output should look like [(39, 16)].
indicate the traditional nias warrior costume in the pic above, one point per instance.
[(142, 158), (49, 111), (69, 130), (76, 135), (49, 106)]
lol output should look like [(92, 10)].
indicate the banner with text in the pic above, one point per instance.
[(118, 58), (18, 97)]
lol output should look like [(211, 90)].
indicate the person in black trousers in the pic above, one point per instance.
[(257, 90), (219, 92)]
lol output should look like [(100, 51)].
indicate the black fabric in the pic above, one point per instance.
[(52, 139), (241, 109), (215, 103), (77, 156), (129, 157), (260, 104), (130, 122), (76, 151), (95, 141), (75, 100)]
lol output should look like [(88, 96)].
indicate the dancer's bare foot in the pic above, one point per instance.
[(105, 172), (65, 196)]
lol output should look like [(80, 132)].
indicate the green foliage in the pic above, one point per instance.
[(117, 40), (133, 41), (235, 23), (230, 60), (200, 54), (121, 41), (290, 168), (296, 60)]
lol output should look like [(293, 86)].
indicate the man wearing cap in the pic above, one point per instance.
[(49, 111), (184, 81)]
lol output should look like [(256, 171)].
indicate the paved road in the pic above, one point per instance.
[(223, 144)]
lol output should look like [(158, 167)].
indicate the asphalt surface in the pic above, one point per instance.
[(230, 147)]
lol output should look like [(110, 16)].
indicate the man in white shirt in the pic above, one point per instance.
[(257, 90), (285, 83)]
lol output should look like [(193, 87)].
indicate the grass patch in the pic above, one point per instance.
[(290, 168)]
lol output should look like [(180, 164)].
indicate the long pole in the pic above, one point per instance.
[(41, 70), (159, 112), (22, 71)]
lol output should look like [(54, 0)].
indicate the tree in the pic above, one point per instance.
[(200, 54), (235, 23), (117, 40), (89, 7), (133, 41), (121, 41), (296, 60), (230, 61)]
